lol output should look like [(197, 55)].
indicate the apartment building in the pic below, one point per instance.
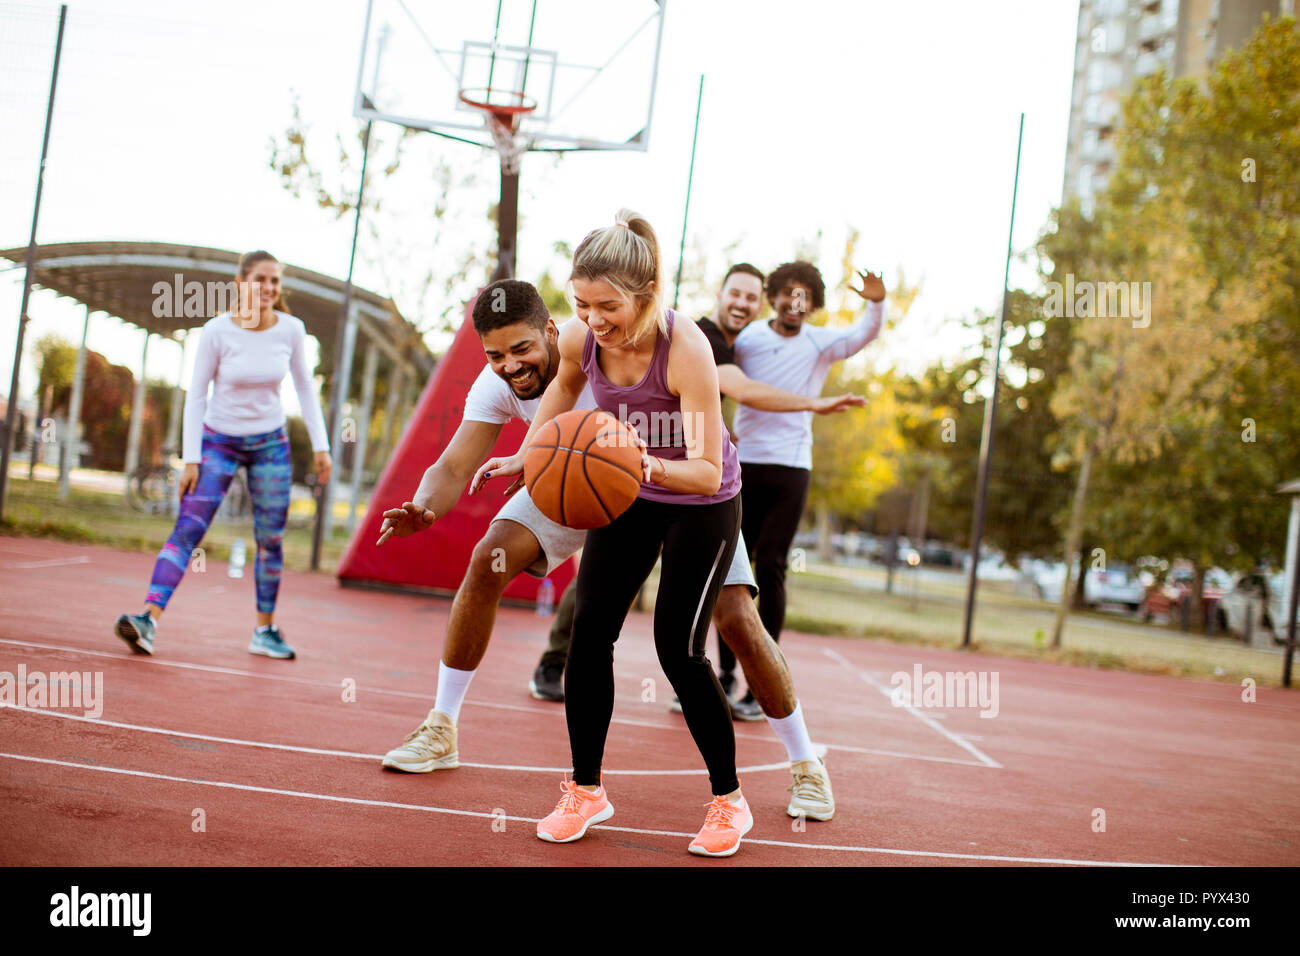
[(1120, 41)]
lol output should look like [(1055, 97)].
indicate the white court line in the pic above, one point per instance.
[(924, 718), (489, 816), (292, 748), (51, 563), (624, 721), (905, 756), (333, 685)]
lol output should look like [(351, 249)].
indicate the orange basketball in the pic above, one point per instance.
[(583, 469)]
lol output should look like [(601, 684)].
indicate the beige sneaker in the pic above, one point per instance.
[(431, 746), (810, 796)]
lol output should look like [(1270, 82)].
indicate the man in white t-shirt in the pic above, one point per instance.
[(521, 344), (775, 448)]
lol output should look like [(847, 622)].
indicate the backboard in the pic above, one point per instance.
[(587, 67)]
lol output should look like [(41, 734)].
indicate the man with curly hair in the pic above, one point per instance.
[(776, 447)]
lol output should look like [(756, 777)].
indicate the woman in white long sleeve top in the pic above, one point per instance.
[(243, 356)]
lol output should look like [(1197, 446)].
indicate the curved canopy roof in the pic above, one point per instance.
[(126, 279)]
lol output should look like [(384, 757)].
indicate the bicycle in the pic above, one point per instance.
[(152, 489)]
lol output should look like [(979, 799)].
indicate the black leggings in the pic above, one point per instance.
[(774, 500), (698, 542)]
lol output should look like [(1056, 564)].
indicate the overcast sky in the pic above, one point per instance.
[(898, 119)]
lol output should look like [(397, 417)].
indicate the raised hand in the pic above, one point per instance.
[(404, 521), (838, 403), (873, 287), (496, 468)]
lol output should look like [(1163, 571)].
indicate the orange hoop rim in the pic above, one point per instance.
[(480, 98)]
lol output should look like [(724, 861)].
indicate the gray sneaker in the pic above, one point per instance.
[(747, 708), (269, 642), (137, 630)]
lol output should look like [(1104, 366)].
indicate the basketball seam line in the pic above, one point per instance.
[(564, 470), (591, 485), (609, 461), (542, 470)]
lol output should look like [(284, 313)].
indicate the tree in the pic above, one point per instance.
[(941, 418), (855, 453), (1206, 202), (428, 254), (108, 393)]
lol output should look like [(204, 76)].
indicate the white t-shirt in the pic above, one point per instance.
[(800, 364), (245, 369), (490, 399)]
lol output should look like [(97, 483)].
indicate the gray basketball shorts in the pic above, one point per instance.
[(740, 572), (559, 543)]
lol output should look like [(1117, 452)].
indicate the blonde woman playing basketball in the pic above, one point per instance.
[(639, 357)]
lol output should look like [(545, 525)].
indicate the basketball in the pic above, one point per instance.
[(583, 469)]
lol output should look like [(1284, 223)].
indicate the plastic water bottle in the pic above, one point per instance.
[(546, 598), (237, 556)]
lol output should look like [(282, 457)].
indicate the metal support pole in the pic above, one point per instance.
[(507, 224), (11, 411), (137, 414), (690, 177), (396, 384), (1292, 600), (72, 441), (174, 417), (363, 432), (346, 338), (990, 413), (175, 423), (344, 431)]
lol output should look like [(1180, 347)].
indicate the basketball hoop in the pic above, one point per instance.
[(503, 111)]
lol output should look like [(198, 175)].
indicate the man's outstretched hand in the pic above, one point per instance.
[(404, 521), (873, 287), (838, 403)]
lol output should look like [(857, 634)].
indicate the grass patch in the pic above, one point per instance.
[(103, 517)]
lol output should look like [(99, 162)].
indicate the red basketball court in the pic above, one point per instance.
[(206, 755)]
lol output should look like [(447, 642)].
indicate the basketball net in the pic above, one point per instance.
[(509, 144), (502, 120)]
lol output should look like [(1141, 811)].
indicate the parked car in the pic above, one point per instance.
[(903, 552), (942, 555), (1045, 578), (1259, 596), (806, 539), (1117, 584), (1166, 598)]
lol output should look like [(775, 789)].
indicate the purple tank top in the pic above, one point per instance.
[(656, 414)]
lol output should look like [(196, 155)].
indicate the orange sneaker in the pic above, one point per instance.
[(724, 825), (577, 810)]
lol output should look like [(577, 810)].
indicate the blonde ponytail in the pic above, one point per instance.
[(626, 255)]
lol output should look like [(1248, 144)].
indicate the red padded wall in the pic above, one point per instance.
[(437, 558)]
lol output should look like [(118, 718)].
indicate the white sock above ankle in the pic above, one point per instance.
[(793, 733), (452, 687)]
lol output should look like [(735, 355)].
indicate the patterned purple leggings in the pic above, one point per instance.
[(270, 474)]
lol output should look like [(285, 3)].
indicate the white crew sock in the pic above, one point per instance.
[(793, 733), (452, 687)]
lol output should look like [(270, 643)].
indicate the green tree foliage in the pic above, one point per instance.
[(941, 416), (855, 453), (107, 395), (1192, 419), (553, 294)]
